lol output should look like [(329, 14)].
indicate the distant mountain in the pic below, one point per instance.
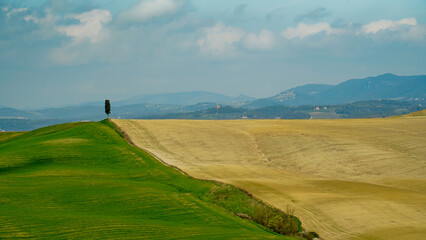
[(312, 100), (362, 109), (184, 98), (11, 125), (95, 113), (11, 113), (386, 86), (20, 120)]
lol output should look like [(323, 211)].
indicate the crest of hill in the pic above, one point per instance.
[(386, 86), (184, 98), (421, 113), (83, 180)]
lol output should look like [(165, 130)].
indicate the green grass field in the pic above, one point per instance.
[(84, 181)]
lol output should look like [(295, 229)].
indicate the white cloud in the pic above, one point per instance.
[(49, 18), (384, 24), (66, 55), (304, 30), (415, 33), (32, 18), (148, 9), (265, 40), (220, 39), (14, 11), (91, 27)]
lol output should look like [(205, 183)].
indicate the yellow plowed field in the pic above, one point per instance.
[(346, 179)]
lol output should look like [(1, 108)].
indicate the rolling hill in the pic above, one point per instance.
[(361, 179), (362, 109), (421, 113), (15, 120), (11, 113), (84, 181), (386, 86), (184, 98), (88, 112), (356, 98), (96, 113)]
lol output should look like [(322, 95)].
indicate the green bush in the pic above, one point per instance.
[(311, 235), (242, 204)]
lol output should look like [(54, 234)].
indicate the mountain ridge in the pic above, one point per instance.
[(184, 98), (381, 87)]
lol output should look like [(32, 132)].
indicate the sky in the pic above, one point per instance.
[(59, 52)]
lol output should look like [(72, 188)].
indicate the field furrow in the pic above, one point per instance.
[(346, 179)]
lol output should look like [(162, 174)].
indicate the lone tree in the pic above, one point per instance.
[(107, 107)]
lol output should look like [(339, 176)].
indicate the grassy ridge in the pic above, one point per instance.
[(9, 135), (84, 181)]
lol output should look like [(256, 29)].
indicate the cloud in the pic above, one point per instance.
[(60, 5), (13, 11), (315, 14), (384, 24), (48, 19), (220, 39), (263, 41), (91, 26), (280, 10), (66, 55), (239, 10), (148, 9), (304, 30), (406, 29), (415, 33)]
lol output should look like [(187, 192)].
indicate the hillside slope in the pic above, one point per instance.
[(421, 113), (385, 86), (84, 181), (347, 179), (184, 98)]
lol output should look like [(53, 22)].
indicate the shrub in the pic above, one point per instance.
[(311, 235), (244, 205)]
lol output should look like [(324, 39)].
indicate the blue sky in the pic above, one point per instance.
[(59, 52)]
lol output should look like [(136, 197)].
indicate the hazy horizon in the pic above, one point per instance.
[(114, 101), (58, 52)]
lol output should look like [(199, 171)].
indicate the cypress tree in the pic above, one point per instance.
[(107, 107)]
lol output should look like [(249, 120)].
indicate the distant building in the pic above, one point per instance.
[(217, 106), (286, 96), (244, 117)]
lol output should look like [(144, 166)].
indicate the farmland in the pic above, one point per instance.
[(346, 178), (84, 181)]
